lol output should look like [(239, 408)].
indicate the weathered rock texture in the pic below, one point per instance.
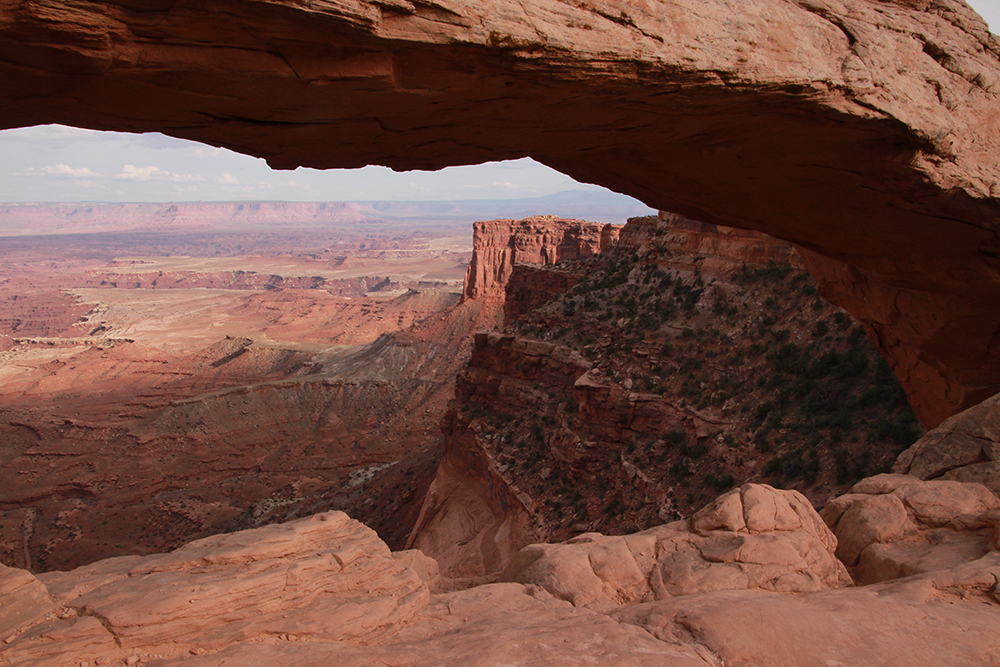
[(498, 245), (716, 249), (894, 526), (944, 618), (751, 581), (864, 131), (749, 538), (965, 448)]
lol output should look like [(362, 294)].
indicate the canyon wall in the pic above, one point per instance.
[(497, 245), (601, 405), (866, 131)]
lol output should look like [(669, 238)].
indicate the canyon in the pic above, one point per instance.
[(157, 388), (493, 568), (863, 131), (607, 482)]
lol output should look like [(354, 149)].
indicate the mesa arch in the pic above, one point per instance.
[(865, 131)]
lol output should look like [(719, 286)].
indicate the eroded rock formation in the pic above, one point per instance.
[(754, 537), (895, 526), (497, 245), (965, 448), (613, 407), (751, 580), (864, 131)]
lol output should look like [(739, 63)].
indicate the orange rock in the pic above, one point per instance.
[(751, 537), (893, 526), (863, 131), (500, 244)]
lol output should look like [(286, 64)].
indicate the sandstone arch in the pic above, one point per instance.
[(866, 131)]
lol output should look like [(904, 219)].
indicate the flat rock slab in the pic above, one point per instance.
[(919, 622), (326, 577)]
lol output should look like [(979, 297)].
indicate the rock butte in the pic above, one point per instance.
[(864, 131)]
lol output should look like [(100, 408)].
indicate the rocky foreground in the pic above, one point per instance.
[(755, 578)]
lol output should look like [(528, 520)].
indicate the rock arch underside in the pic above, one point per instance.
[(864, 131)]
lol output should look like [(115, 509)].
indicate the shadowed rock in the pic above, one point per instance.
[(865, 131)]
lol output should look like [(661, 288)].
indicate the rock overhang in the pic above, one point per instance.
[(865, 132)]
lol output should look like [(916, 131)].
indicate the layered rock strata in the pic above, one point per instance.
[(497, 245), (879, 119), (611, 408)]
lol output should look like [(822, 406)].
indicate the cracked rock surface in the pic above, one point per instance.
[(749, 580)]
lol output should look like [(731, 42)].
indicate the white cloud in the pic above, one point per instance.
[(59, 171), (130, 172), (70, 172)]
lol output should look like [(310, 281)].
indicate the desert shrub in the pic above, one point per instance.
[(770, 273), (719, 482)]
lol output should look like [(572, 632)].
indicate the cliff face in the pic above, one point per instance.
[(500, 244), (605, 406), (864, 131), (717, 248)]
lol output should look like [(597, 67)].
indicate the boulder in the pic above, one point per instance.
[(753, 537), (892, 526)]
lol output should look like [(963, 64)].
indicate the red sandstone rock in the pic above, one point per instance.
[(751, 537), (716, 249), (863, 131), (600, 435), (946, 618), (500, 244), (114, 447), (325, 590), (894, 526), (964, 448)]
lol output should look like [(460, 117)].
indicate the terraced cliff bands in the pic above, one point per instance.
[(680, 362), (864, 131)]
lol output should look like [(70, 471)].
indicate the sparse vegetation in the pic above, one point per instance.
[(716, 380)]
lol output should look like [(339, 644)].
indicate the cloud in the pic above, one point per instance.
[(59, 171), (229, 179), (130, 172), (70, 172)]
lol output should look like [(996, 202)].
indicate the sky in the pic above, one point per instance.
[(51, 163)]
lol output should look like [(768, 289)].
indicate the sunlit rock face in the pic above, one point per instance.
[(546, 239), (864, 131)]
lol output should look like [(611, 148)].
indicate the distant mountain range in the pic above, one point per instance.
[(84, 218)]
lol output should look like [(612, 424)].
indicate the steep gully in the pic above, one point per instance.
[(864, 131)]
